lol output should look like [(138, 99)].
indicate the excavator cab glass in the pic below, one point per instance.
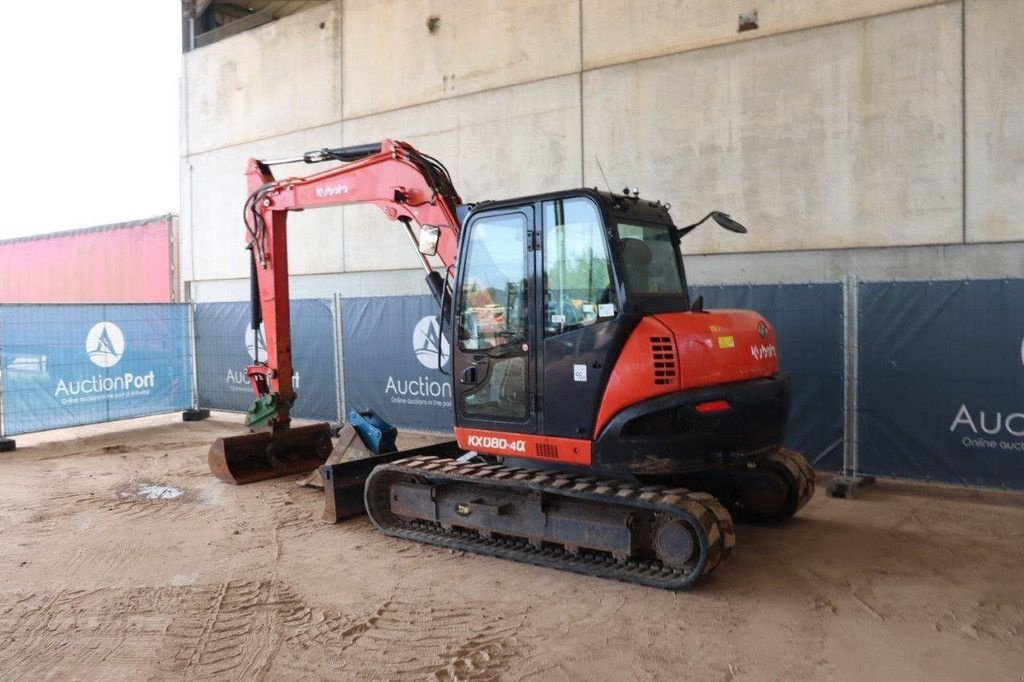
[(578, 284), (649, 261)]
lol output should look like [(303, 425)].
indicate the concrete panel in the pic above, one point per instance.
[(497, 144), (349, 284), (617, 31), (213, 221), (392, 60), (995, 120), (272, 80), (957, 261), (843, 136)]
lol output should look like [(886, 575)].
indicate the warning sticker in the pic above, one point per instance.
[(726, 342)]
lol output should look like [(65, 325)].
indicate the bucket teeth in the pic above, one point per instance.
[(262, 455)]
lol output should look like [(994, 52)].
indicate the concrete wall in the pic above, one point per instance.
[(844, 136), (995, 120), (393, 61), (884, 137)]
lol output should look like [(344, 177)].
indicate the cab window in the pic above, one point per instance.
[(649, 260), (577, 270), (493, 310)]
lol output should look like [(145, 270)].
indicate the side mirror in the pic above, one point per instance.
[(726, 221), (723, 219), (429, 236)]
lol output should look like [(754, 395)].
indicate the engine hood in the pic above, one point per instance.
[(722, 346)]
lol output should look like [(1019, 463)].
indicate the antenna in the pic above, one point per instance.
[(606, 183)]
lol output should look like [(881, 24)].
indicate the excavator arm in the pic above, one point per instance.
[(407, 186), (403, 183)]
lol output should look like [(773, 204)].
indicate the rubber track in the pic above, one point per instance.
[(801, 472), (712, 517)]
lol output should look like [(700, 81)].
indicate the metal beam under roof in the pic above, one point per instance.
[(207, 21)]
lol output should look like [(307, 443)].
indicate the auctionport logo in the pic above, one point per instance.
[(993, 430), (425, 338), (424, 390), (105, 344)]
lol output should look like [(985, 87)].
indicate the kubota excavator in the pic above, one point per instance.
[(604, 422)]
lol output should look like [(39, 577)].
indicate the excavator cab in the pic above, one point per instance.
[(574, 333), (546, 288)]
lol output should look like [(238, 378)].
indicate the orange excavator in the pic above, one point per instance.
[(604, 422)]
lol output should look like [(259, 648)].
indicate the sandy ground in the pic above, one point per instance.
[(99, 581)]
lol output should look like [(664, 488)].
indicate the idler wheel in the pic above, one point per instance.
[(763, 494), (674, 543)]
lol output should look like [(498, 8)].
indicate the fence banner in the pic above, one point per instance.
[(67, 365), (226, 344), (808, 322), (390, 348), (942, 381)]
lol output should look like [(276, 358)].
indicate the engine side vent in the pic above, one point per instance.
[(663, 352), (547, 450)]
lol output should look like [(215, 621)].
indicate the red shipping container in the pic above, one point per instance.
[(133, 262)]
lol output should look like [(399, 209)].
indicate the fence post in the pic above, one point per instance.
[(6, 444), (339, 363), (195, 413), (854, 352), (851, 480)]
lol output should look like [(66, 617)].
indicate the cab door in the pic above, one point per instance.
[(495, 370)]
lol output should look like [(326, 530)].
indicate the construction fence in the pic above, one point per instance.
[(915, 380)]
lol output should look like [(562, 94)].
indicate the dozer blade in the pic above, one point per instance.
[(258, 456), (344, 482)]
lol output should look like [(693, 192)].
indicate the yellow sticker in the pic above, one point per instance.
[(715, 328), (726, 342)]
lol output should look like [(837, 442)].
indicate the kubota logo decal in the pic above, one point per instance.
[(426, 336), (495, 443), (332, 190), (105, 344), (763, 352)]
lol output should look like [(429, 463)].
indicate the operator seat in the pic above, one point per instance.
[(636, 257)]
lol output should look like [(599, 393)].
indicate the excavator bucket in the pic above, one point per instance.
[(261, 455)]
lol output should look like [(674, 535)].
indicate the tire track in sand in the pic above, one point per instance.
[(243, 629), (407, 640)]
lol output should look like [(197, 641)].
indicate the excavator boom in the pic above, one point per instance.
[(407, 186)]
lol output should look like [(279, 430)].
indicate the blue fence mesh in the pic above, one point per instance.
[(66, 365), (942, 381), (226, 344), (808, 322), (941, 368), (391, 361)]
